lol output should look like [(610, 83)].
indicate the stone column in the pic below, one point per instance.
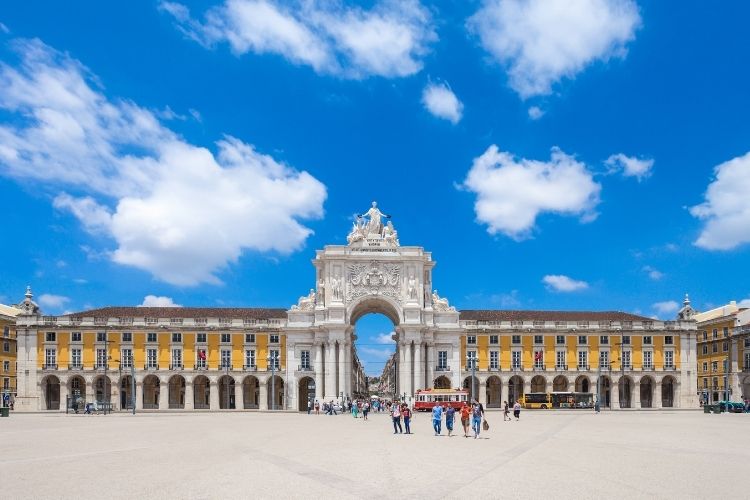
[(504, 392), (482, 389), (63, 395), (402, 376), (330, 367), (138, 396), (318, 363), (418, 366), (163, 395), (656, 401), (263, 395), (342, 370), (614, 395), (635, 397), (189, 401), (430, 365), (214, 395), (456, 366)]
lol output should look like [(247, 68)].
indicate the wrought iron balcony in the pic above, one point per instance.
[(304, 368), (648, 366), (442, 368), (49, 367), (669, 368), (101, 366), (226, 367), (517, 368), (540, 368), (75, 366), (150, 367), (583, 367), (561, 368), (250, 368), (176, 366), (200, 367)]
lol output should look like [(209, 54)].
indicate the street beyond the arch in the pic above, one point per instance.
[(565, 454)]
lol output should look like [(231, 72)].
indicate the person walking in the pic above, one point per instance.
[(396, 415), (465, 412), (365, 410), (517, 410), (309, 406), (406, 413), (317, 407), (355, 409), (450, 415), (437, 418), (506, 412), (476, 418)]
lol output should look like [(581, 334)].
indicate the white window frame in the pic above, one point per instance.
[(304, 359), (648, 360), (126, 358), (604, 359), (583, 358), (249, 357), (152, 357), (177, 357), (50, 356), (226, 358), (75, 357), (101, 357), (669, 359), (560, 359), (516, 361), (494, 360)]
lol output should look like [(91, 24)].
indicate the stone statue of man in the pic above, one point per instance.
[(375, 226)]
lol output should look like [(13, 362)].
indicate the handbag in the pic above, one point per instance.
[(485, 426)]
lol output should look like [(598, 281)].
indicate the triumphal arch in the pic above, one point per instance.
[(373, 273)]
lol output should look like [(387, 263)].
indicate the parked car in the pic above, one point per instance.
[(732, 406)]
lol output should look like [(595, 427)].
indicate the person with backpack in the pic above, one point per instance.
[(365, 410), (396, 415), (465, 413), (406, 413), (517, 410), (450, 415), (476, 418), (506, 412)]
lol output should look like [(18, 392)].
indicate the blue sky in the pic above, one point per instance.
[(550, 155)]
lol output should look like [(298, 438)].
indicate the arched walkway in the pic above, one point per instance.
[(560, 384), (77, 390), (646, 391), (102, 389), (515, 389), (126, 393), (442, 382), (494, 396), (151, 392), (605, 391), (625, 388), (746, 388), (275, 401), (583, 384), (51, 392), (177, 392), (538, 384), (667, 391), (250, 392), (472, 387), (306, 393), (226, 393), (201, 393)]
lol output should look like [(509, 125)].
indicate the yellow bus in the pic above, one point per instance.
[(536, 400)]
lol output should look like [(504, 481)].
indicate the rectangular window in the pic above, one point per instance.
[(705, 366), (472, 361), (274, 338), (604, 339), (747, 341), (726, 331), (250, 358), (647, 360), (127, 337), (604, 359), (493, 339), (101, 336), (516, 339), (560, 360), (6, 366), (201, 338), (305, 360), (494, 357), (724, 365), (126, 358), (75, 337), (176, 358), (226, 358), (715, 347), (715, 383), (581, 340), (668, 340), (715, 333), (626, 340), (200, 358), (647, 340), (225, 338), (583, 360), (705, 383), (516, 359), (626, 359), (471, 339), (101, 358), (725, 346), (538, 339), (747, 361), (50, 357), (705, 335), (714, 366), (151, 358), (150, 337), (539, 359), (442, 360), (705, 349), (275, 357), (249, 338), (560, 340), (668, 359), (75, 358), (6, 331), (6, 384), (176, 338), (6, 346), (51, 337)]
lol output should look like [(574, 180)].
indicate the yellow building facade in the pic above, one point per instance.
[(8, 354), (714, 345)]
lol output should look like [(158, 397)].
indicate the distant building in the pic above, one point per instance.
[(715, 332), (8, 353)]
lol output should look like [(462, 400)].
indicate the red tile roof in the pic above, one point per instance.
[(500, 315), (184, 312)]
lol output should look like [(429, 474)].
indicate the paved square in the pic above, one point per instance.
[(261, 455)]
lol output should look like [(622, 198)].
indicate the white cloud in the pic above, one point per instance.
[(174, 209), (50, 301), (666, 307), (387, 40), (562, 283), (440, 100), (158, 301), (654, 274), (542, 41), (385, 338), (630, 166), (726, 209), (512, 193), (535, 112)]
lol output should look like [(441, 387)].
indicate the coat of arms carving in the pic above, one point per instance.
[(374, 278)]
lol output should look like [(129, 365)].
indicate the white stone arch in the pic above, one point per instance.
[(374, 304)]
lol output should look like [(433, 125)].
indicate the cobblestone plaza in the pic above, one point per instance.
[(565, 454)]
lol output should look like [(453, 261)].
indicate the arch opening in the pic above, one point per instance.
[(374, 366)]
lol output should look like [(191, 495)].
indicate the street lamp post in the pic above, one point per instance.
[(226, 386), (272, 359), (473, 362)]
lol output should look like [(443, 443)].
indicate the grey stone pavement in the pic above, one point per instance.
[(567, 454)]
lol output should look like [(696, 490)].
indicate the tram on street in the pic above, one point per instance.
[(547, 400), (426, 399)]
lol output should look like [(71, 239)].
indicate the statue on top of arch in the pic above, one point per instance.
[(373, 229)]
